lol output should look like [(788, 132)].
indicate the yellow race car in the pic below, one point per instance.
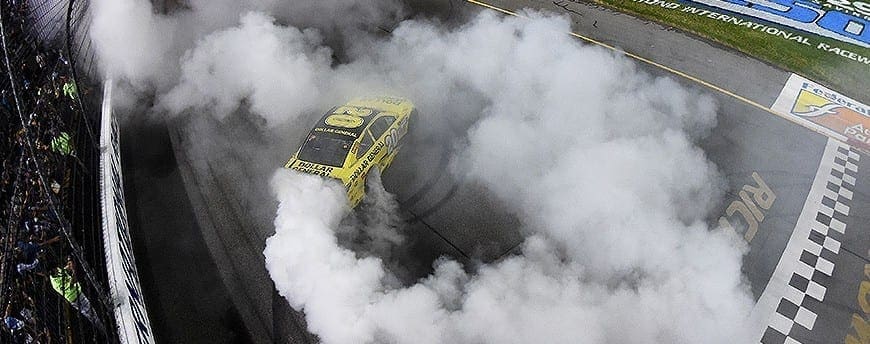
[(351, 139)]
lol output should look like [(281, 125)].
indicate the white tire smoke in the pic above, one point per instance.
[(599, 162), (597, 159)]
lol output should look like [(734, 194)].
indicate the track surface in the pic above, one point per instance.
[(184, 293), (203, 230)]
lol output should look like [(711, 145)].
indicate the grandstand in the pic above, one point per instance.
[(53, 275)]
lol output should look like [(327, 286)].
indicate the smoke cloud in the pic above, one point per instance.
[(597, 159), (145, 49), (273, 68)]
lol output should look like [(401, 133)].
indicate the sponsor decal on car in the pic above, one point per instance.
[(362, 168), (335, 131), (841, 116), (311, 168), (344, 121), (353, 111), (395, 135)]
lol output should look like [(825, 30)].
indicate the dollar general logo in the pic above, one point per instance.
[(835, 113)]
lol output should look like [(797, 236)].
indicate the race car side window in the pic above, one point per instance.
[(379, 126), (364, 145)]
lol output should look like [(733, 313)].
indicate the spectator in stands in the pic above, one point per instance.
[(55, 187), (70, 89), (30, 254), (16, 326), (64, 283), (31, 325), (5, 101), (29, 260), (40, 116), (40, 60), (61, 144), (10, 321), (34, 226), (27, 309)]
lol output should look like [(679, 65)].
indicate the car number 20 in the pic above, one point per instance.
[(396, 134), (392, 140)]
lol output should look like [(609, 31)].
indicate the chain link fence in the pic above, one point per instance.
[(52, 269)]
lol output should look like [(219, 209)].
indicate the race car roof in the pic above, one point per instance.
[(346, 121), (352, 118)]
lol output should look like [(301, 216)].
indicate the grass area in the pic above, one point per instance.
[(837, 72)]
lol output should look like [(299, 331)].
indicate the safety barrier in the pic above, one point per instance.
[(129, 306)]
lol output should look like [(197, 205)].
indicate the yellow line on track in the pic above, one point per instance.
[(672, 70)]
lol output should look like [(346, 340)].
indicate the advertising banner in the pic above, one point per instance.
[(835, 22), (853, 32), (826, 110)]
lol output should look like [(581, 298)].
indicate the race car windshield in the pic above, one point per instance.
[(325, 149)]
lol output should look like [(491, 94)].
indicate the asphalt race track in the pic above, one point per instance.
[(178, 275), (200, 236)]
